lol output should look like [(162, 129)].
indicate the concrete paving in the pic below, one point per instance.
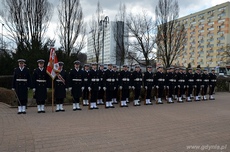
[(179, 127)]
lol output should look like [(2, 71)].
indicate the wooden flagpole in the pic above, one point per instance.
[(52, 95)]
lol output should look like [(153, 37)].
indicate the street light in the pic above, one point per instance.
[(2, 36), (103, 23)]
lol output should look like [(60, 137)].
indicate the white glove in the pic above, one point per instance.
[(82, 88), (141, 87), (70, 88), (129, 87), (187, 86), (120, 87), (114, 88), (157, 87), (13, 89), (34, 89), (89, 88), (167, 87), (146, 87), (210, 86), (164, 87), (47, 89), (66, 89), (133, 87), (153, 87), (194, 86), (178, 86), (104, 88), (202, 86), (99, 88), (175, 87)]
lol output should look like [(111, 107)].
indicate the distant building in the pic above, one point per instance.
[(110, 45), (208, 32)]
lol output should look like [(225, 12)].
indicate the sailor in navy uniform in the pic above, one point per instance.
[(180, 84), (124, 85), (160, 83), (86, 85), (21, 84), (101, 91), (60, 87), (212, 84), (148, 84), (171, 84), (40, 85), (197, 83), (94, 85), (205, 83), (109, 85), (136, 84), (76, 84), (114, 99), (189, 80), (176, 84)]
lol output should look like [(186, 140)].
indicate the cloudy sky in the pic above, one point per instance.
[(111, 8)]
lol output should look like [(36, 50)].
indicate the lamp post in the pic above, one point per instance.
[(2, 36), (103, 23)]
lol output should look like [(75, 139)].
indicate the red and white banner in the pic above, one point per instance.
[(53, 66)]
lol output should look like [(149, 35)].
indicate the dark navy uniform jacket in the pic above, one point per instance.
[(21, 82)]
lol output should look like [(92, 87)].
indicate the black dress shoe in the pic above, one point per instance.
[(19, 113), (23, 112), (91, 108), (62, 110), (111, 107), (39, 112), (107, 107), (57, 110), (43, 111), (74, 109), (78, 108)]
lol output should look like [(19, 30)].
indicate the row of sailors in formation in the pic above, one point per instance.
[(96, 86)]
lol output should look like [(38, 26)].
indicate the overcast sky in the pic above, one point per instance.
[(111, 8)]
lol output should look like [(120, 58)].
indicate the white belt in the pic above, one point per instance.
[(172, 80), (161, 79), (181, 80), (149, 80), (24, 80), (110, 80), (125, 79), (95, 79), (85, 79), (138, 79), (101, 79), (76, 79), (213, 80), (206, 80), (59, 80), (116, 79), (41, 80), (198, 80), (191, 80)]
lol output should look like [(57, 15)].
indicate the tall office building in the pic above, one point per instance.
[(208, 32), (110, 44)]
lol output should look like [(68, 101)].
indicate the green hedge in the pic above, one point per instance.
[(222, 84), (6, 81)]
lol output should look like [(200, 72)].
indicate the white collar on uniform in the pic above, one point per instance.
[(41, 68)]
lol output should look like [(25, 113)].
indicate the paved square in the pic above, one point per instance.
[(179, 127)]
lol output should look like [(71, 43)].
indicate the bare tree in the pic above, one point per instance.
[(71, 26), (171, 35), (226, 54), (26, 21), (141, 29), (95, 32), (121, 35)]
